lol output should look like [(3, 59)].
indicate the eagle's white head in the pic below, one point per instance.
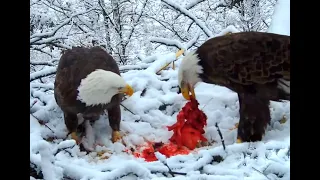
[(100, 86), (188, 74)]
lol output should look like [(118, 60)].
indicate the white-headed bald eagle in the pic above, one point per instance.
[(88, 82), (255, 65)]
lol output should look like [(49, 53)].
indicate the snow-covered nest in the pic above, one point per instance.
[(155, 104), (155, 109)]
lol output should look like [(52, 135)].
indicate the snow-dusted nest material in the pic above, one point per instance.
[(156, 104), (156, 109)]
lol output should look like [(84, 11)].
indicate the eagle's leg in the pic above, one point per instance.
[(114, 114), (71, 121), (254, 118)]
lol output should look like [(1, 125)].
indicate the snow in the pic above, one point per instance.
[(155, 105), (280, 23), (220, 104)]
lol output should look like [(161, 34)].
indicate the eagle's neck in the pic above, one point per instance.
[(190, 69), (98, 87)]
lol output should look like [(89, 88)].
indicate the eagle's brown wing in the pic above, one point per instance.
[(251, 64), (74, 65), (245, 58)]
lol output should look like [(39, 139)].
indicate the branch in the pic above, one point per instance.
[(140, 66), (41, 63), (167, 42), (43, 73), (42, 51), (193, 41), (48, 86), (47, 40), (39, 36), (175, 43), (184, 11), (135, 23), (190, 6), (229, 29), (162, 23), (104, 12), (63, 46)]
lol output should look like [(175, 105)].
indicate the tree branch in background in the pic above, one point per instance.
[(167, 26), (140, 66), (47, 37), (34, 63), (190, 6), (43, 73), (169, 42), (135, 23), (40, 50), (184, 11)]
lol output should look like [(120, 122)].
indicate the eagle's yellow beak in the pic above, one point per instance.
[(185, 89), (127, 90)]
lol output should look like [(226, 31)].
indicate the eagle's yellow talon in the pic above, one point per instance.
[(116, 136), (283, 120), (75, 137), (101, 154), (239, 140), (235, 127)]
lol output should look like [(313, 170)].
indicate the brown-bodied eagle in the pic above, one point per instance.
[(255, 65), (88, 82)]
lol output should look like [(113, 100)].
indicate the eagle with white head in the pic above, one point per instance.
[(88, 82), (255, 65)]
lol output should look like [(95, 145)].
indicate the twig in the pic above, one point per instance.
[(172, 173), (127, 109), (220, 134), (64, 149), (206, 104), (43, 124), (260, 172), (34, 102)]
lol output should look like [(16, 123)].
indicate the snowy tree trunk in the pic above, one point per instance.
[(118, 26), (106, 22), (108, 39)]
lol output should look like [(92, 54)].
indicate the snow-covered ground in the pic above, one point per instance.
[(155, 104)]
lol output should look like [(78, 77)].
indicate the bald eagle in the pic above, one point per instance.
[(255, 65), (88, 82)]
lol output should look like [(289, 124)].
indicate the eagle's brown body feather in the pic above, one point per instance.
[(249, 63), (74, 65)]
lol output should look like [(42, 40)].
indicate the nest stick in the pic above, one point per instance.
[(127, 109), (43, 124), (163, 67), (220, 134), (172, 173), (181, 51)]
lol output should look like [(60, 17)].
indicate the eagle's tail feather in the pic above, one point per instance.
[(284, 89)]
